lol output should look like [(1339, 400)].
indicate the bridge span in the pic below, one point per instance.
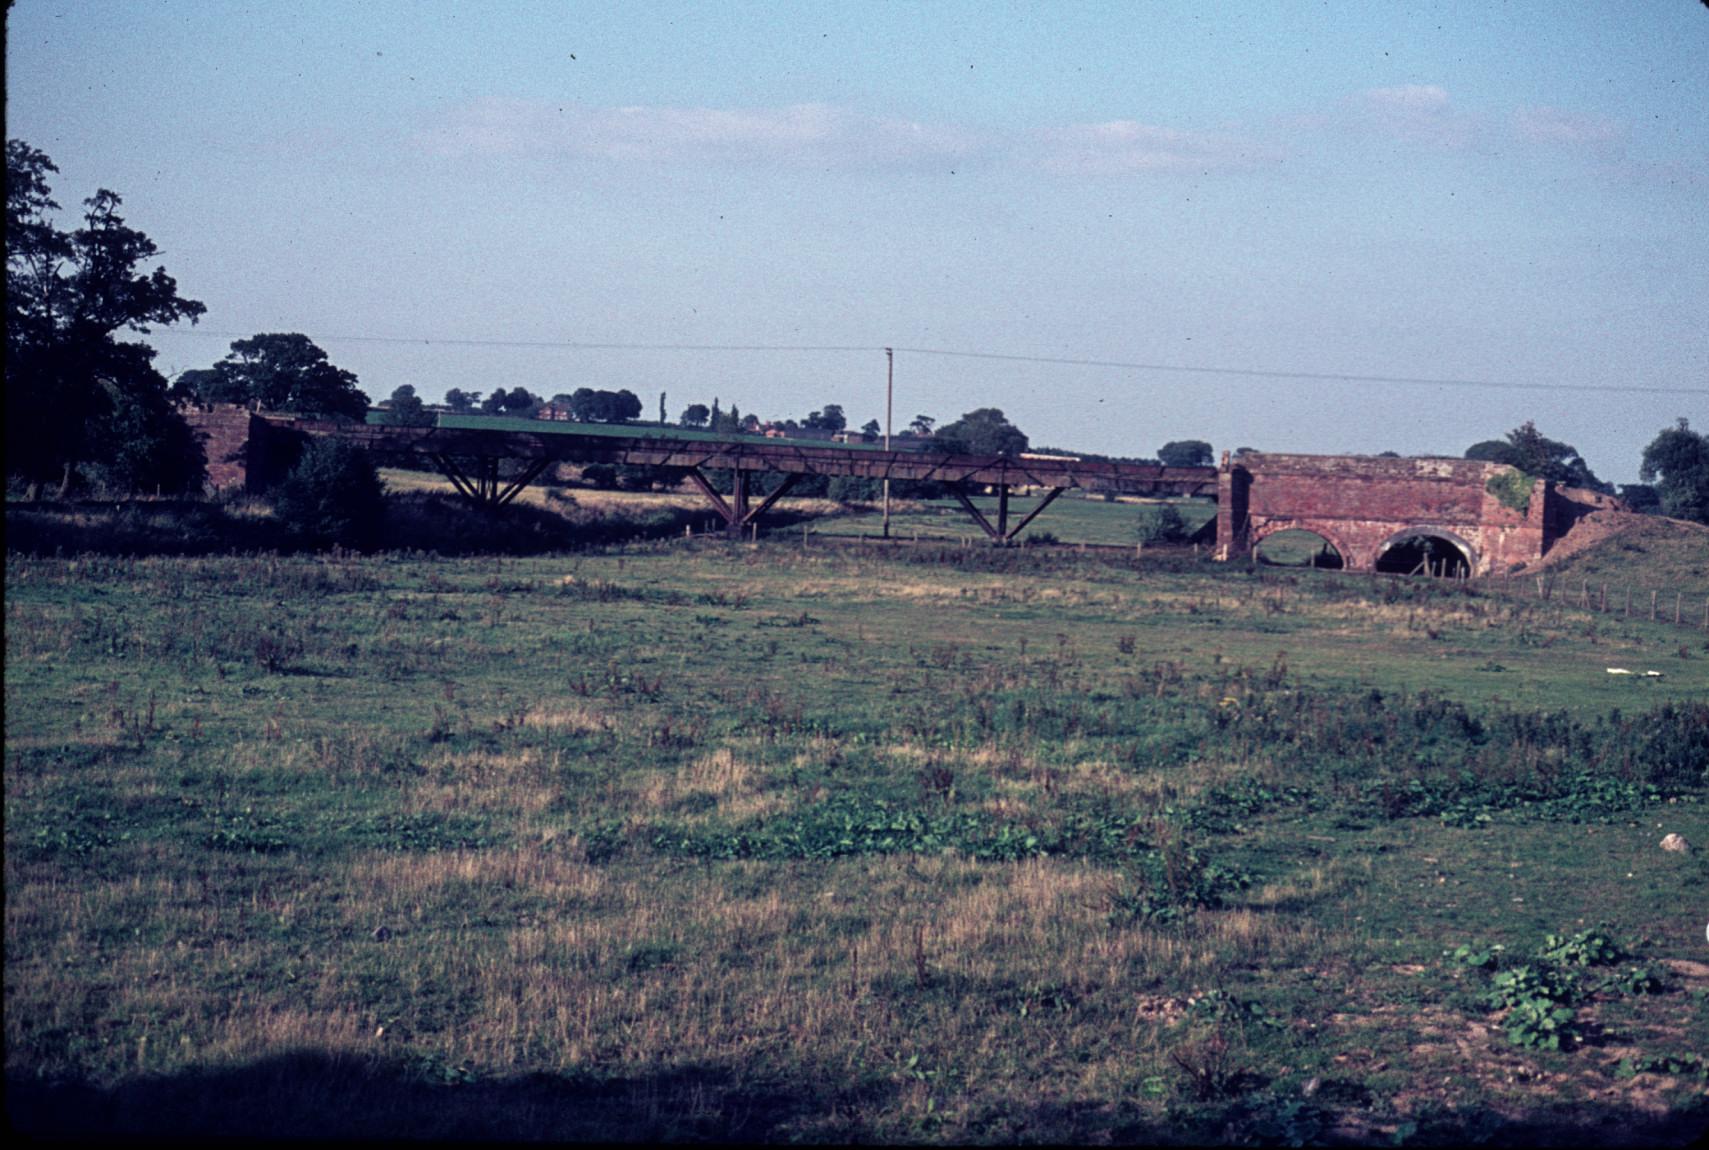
[(1369, 509), (469, 452)]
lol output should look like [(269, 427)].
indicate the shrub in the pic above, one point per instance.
[(1161, 524), (852, 489), (1512, 488), (1586, 948), (644, 477), (332, 496)]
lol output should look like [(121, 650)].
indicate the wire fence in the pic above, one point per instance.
[(1627, 600)]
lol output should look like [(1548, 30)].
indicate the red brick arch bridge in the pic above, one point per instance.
[(1368, 509)]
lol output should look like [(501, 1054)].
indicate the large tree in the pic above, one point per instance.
[(830, 419), (1677, 462), (76, 394), (986, 431), (1493, 451), (1539, 457), (406, 409), (588, 405), (729, 422), (282, 371), (518, 401), (1186, 453)]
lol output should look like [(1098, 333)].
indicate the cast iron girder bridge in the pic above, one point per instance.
[(469, 456)]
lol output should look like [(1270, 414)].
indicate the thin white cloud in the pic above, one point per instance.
[(1556, 126), (807, 133), (822, 135), (826, 136), (1117, 147), (1421, 113), (1412, 97)]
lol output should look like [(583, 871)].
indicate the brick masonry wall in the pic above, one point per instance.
[(1361, 504), (224, 429)]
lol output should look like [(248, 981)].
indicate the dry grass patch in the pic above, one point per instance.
[(913, 754), (864, 590), (1301, 890), (738, 789), (545, 874), (1253, 936), (575, 718), (1148, 790), (619, 502)]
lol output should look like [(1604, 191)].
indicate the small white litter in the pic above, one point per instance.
[(1618, 671)]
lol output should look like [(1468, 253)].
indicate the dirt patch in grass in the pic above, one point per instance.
[(1687, 969)]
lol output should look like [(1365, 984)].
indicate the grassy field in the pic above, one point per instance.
[(1071, 519), (818, 841)]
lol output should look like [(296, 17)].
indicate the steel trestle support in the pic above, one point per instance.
[(735, 511), (484, 486), (1001, 532)]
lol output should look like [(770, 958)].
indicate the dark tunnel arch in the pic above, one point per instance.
[(1426, 551)]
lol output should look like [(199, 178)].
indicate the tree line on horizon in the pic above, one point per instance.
[(87, 409)]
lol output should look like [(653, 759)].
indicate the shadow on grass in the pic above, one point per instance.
[(414, 521), (145, 527), (312, 1095)]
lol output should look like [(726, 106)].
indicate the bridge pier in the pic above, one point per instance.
[(1000, 532), (482, 485), (736, 512)]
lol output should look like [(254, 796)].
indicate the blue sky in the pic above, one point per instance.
[(1474, 191)]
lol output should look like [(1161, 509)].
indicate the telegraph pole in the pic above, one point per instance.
[(889, 395)]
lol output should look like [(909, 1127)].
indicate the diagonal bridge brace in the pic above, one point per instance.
[(735, 511), (485, 487), (1001, 532)]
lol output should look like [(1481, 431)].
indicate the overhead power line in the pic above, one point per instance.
[(550, 344), (1336, 377), (1057, 361)]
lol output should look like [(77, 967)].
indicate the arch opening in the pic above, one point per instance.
[(1299, 547), (1425, 553)]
